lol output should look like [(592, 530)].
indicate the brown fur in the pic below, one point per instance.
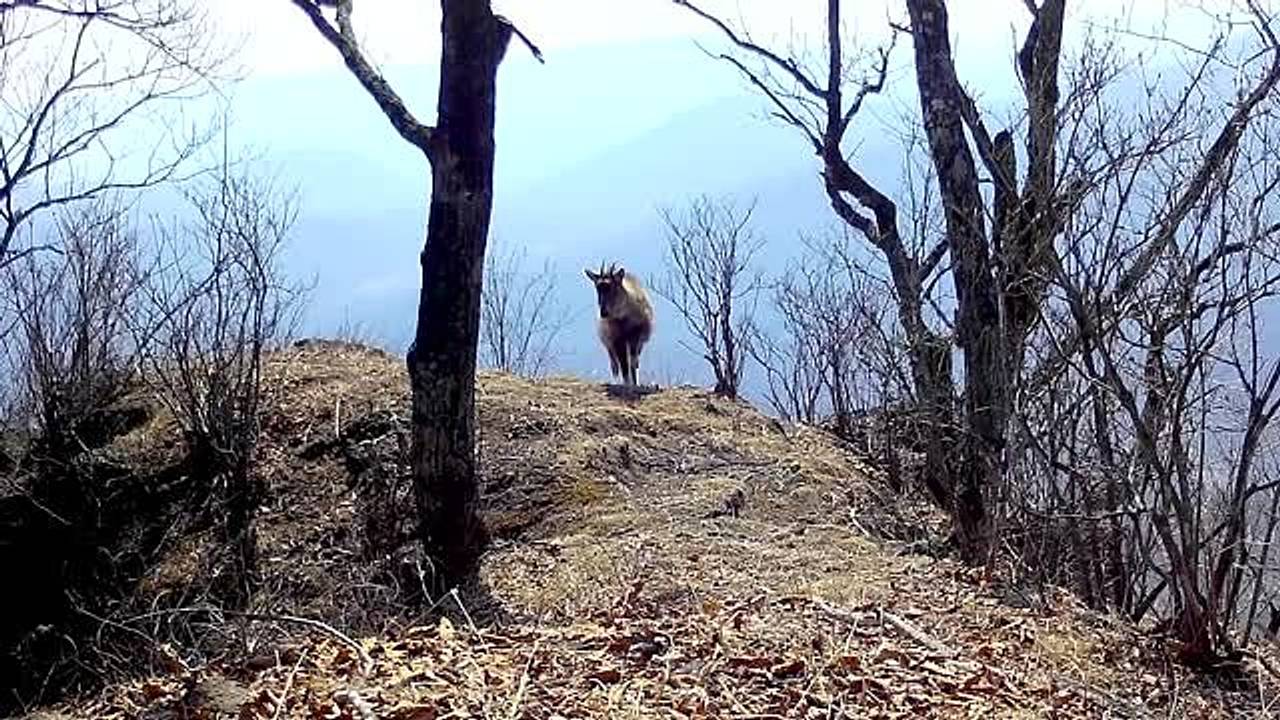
[(626, 319)]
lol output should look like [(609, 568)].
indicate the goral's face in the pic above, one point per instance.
[(609, 295)]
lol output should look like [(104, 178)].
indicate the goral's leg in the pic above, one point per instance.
[(613, 362)]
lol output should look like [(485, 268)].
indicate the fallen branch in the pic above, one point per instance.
[(1122, 707), (524, 680), (366, 661), (884, 617), (915, 633)]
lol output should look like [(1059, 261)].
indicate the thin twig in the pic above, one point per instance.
[(471, 623), (366, 661), (524, 680), (337, 418), (359, 706), (288, 685)]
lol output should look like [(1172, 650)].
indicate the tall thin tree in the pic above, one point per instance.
[(442, 358)]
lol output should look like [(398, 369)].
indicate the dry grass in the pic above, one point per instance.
[(613, 590)]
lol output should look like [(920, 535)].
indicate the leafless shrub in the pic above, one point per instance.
[(102, 318), (70, 357), (521, 317), (835, 359), (357, 332), (711, 282), (1144, 422), (791, 360), (70, 309), (213, 303)]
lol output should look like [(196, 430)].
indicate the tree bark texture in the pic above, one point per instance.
[(442, 360), (978, 319)]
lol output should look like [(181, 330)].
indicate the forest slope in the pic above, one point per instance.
[(620, 582)]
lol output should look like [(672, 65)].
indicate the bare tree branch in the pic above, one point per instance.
[(343, 39), (786, 64), (79, 90)]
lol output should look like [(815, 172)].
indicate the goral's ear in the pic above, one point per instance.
[(619, 274), (591, 276)]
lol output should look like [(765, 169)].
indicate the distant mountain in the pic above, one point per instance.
[(606, 208), (590, 146)]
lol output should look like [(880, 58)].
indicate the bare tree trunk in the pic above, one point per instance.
[(999, 281), (978, 321), (928, 352), (442, 360), (244, 495), (728, 378)]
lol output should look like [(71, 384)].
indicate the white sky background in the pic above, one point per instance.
[(279, 40)]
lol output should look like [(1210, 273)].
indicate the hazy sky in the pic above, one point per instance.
[(627, 114), (406, 31)]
